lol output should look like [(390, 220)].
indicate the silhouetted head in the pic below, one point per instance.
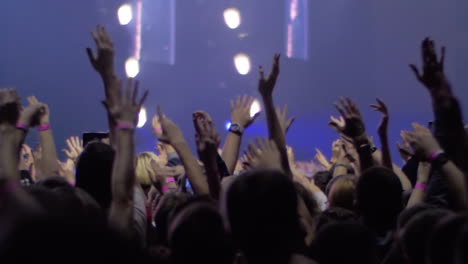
[(335, 215), (197, 235), (414, 237), (407, 214), (321, 179), (166, 205), (261, 209), (348, 242), (442, 242), (379, 198), (94, 172), (341, 191)]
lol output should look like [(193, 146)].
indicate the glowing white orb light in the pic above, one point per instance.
[(125, 14), (255, 108), (132, 67), (242, 63), (232, 18), (142, 118)]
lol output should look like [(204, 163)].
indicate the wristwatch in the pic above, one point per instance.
[(236, 129)]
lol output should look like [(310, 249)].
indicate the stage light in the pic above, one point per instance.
[(132, 67), (242, 63), (142, 118), (125, 14), (255, 108), (232, 18), (228, 125)]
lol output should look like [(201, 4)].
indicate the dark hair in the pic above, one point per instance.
[(335, 215), (94, 172), (461, 250), (442, 242), (164, 209), (416, 233), (348, 242), (407, 214), (261, 207), (197, 235), (379, 198), (321, 179), (345, 196)]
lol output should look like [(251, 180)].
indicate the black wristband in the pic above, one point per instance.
[(440, 160)]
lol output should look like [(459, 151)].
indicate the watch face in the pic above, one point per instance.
[(235, 127)]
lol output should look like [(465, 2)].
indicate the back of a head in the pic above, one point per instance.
[(346, 242), (197, 235), (143, 168), (166, 205), (261, 209), (407, 214), (416, 233), (379, 198), (335, 215), (94, 172), (341, 191), (321, 179), (442, 243)]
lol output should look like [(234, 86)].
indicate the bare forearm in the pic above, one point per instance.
[(386, 156), (364, 150), (231, 151), (275, 132), (49, 155), (192, 169), (212, 173), (456, 183)]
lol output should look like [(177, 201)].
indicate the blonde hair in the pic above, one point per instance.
[(143, 167)]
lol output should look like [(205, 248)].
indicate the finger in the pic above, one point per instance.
[(290, 122), (143, 99), (232, 105), (128, 88), (135, 91), (416, 72), (96, 38), (67, 153), (442, 57), (244, 101), (341, 110), (238, 100), (255, 116), (261, 73), (250, 102), (91, 57)]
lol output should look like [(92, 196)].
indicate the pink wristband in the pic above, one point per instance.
[(124, 126), (21, 126), (170, 179), (421, 186), (43, 127), (165, 189), (434, 155)]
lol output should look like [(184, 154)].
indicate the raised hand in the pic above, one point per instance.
[(240, 111), (36, 113), (75, 147), (382, 108), (285, 123), (432, 75), (265, 155), (354, 125), (337, 123), (157, 129), (383, 128), (9, 106), (103, 62), (321, 159), (405, 148), (207, 138), (422, 141), (127, 108), (266, 86), (171, 133)]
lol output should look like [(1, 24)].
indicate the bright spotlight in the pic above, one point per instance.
[(242, 63), (232, 17), (132, 67), (228, 125), (142, 117), (125, 14), (255, 108)]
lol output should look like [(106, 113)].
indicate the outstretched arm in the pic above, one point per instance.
[(276, 133), (125, 115), (240, 120)]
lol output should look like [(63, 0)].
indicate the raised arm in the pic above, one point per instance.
[(103, 63), (275, 131), (355, 130), (418, 195), (124, 113), (383, 133), (49, 163), (449, 126), (427, 148), (240, 120), (172, 135), (207, 139)]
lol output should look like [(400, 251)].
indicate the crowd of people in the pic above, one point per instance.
[(106, 203)]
